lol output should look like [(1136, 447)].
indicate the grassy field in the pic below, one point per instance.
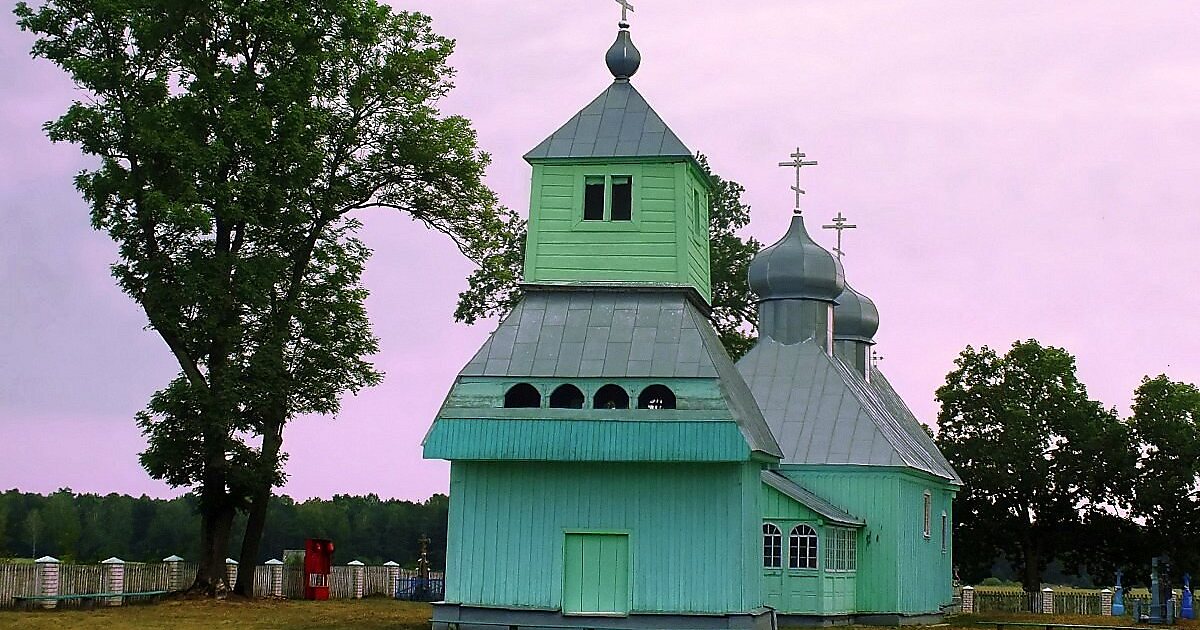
[(366, 614)]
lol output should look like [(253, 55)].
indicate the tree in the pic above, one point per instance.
[(1038, 457), (494, 286), (1166, 429), (33, 531), (235, 142), (61, 521)]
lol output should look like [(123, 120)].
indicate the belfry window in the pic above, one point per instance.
[(656, 397), (522, 396), (611, 397), (608, 198), (772, 546), (566, 397), (802, 548)]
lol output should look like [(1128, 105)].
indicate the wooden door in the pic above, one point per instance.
[(596, 574)]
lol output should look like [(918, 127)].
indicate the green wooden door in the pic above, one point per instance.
[(596, 574)]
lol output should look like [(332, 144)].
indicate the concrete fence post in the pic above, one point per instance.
[(1047, 601), (968, 600), (357, 569), (231, 567), (172, 561), (1106, 602), (276, 585), (114, 579), (393, 572), (47, 568)]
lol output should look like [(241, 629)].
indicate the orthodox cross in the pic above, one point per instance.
[(625, 8), (797, 162), (839, 224)]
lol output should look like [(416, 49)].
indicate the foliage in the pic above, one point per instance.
[(235, 140), (1166, 429), (1036, 455), (494, 286)]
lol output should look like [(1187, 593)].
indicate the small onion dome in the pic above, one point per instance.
[(623, 57), (796, 268), (855, 317)]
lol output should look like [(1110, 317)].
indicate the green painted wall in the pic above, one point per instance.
[(481, 392), (804, 591), (899, 570), (666, 243), (694, 532)]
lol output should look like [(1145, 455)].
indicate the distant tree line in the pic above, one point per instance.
[(88, 528), (1057, 484)]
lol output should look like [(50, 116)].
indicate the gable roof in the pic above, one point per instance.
[(910, 422), (618, 123), (823, 412), (578, 333), (810, 500)]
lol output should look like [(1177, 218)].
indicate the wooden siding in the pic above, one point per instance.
[(508, 522), (480, 392), (562, 247), (804, 591), (899, 570)]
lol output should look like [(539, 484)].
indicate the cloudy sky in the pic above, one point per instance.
[(1016, 169)]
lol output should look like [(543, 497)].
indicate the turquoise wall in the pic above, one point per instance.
[(693, 529), (899, 570), (804, 591)]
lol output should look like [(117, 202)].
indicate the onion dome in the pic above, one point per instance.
[(623, 57), (796, 268), (855, 317)]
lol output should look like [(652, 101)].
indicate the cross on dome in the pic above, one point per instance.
[(839, 224), (797, 163), (625, 8)]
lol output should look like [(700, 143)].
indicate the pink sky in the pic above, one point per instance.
[(1016, 169)]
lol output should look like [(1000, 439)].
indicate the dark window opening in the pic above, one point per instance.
[(566, 397), (611, 397), (656, 397), (622, 199), (522, 396), (593, 199)]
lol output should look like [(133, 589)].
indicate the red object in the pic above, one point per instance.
[(318, 557)]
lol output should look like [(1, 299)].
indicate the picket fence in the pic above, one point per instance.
[(1065, 602), (18, 580)]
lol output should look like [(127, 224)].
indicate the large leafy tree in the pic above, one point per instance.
[(494, 286), (235, 140), (1166, 429), (1039, 459)]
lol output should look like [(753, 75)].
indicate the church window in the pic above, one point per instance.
[(522, 396), (802, 548), (622, 198), (943, 531), (841, 550), (928, 513), (593, 198), (611, 397), (772, 546), (566, 397), (656, 397)]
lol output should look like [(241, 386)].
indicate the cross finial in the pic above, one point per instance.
[(625, 9), (797, 163), (839, 224)]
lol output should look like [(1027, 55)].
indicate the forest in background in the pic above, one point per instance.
[(87, 528)]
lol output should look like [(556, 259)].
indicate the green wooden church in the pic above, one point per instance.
[(611, 467)]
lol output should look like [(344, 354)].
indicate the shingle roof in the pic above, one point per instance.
[(809, 499), (618, 123), (822, 412), (575, 333)]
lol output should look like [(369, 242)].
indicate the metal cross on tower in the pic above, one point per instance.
[(625, 8), (839, 224), (797, 163)]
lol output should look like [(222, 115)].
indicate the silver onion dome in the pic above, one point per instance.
[(855, 317), (623, 57), (796, 268)]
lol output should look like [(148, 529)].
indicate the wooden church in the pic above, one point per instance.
[(611, 467)]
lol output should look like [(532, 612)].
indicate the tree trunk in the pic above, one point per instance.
[(215, 525), (257, 517)]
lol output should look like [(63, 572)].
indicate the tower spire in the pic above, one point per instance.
[(797, 163), (623, 57)]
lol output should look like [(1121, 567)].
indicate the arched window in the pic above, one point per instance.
[(772, 546), (522, 396), (611, 397), (802, 548), (566, 397), (657, 397)]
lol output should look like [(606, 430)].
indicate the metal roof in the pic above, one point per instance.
[(796, 267), (823, 412), (618, 123), (587, 332), (910, 422), (810, 500)]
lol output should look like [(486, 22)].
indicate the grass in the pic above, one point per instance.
[(366, 614)]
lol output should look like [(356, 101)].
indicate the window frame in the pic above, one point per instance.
[(772, 541), (928, 517), (606, 214), (945, 518), (813, 559), (841, 550)]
